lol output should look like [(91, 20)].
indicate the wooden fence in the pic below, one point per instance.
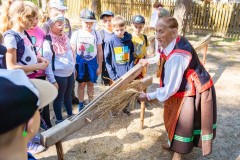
[(216, 18)]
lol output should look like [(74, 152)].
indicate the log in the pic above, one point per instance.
[(68, 127), (143, 106)]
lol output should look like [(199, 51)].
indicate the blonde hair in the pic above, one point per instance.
[(12, 10), (118, 21)]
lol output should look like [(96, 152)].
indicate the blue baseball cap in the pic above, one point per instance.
[(138, 19), (106, 13), (88, 16)]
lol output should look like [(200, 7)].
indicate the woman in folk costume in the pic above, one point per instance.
[(187, 91)]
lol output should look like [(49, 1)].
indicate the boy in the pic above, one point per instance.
[(20, 102), (58, 6), (139, 40), (119, 50), (106, 33), (87, 44)]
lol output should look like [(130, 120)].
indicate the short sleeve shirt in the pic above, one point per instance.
[(86, 43)]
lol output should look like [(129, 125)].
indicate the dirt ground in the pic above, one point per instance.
[(122, 138)]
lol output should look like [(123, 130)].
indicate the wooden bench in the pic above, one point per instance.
[(203, 44)]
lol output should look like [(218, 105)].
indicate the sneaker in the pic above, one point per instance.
[(75, 100), (70, 116), (126, 111), (58, 121), (35, 148), (81, 106), (36, 139)]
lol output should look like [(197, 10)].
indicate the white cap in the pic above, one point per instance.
[(57, 4)]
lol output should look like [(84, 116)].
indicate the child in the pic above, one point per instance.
[(20, 51), (158, 12), (87, 44), (21, 100), (37, 36), (119, 50), (106, 33), (139, 40), (58, 6), (57, 49)]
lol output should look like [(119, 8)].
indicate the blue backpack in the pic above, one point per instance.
[(20, 47)]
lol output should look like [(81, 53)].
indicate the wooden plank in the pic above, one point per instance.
[(63, 129), (202, 43), (68, 127)]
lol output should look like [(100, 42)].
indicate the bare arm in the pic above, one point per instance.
[(11, 62), (100, 58)]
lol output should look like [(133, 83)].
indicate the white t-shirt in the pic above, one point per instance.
[(86, 43), (29, 56)]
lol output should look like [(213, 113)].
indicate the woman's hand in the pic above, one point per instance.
[(143, 97)]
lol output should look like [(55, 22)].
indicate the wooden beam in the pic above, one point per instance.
[(64, 129), (59, 149), (68, 127)]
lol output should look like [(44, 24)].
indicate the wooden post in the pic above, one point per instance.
[(143, 106), (204, 54), (59, 149)]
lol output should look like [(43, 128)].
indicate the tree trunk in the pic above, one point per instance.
[(96, 7), (182, 13)]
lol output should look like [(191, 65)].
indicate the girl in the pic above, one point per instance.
[(37, 36), (57, 49), (22, 14)]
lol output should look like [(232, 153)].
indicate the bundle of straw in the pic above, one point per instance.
[(115, 102)]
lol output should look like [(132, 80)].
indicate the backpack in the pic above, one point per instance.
[(20, 47), (49, 39), (146, 40)]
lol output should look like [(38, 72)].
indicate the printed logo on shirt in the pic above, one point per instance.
[(138, 46), (86, 47), (122, 54), (28, 57)]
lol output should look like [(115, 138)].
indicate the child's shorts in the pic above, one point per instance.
[(86, 75)]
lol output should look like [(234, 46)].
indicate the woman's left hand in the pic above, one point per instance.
[(99, 70), (143, 97)]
